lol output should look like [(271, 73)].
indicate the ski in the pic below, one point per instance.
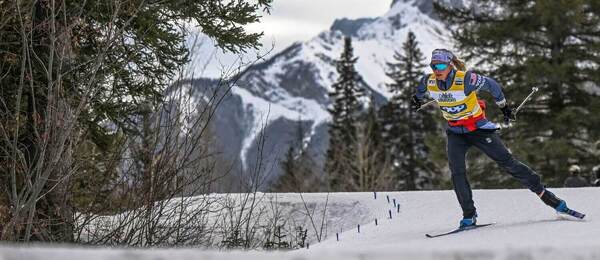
[(458, 230), (572, 213)]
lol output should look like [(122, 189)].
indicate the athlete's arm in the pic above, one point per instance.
[(422, 88), (476, 82)]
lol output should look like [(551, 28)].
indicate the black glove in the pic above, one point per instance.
[(415, 103), (508, 115)]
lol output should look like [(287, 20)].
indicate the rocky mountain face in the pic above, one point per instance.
[(271, 97)]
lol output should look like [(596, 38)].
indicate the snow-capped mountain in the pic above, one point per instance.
[(293, 85)]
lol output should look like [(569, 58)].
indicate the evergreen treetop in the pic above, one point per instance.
[(404, 130), (345, 95)]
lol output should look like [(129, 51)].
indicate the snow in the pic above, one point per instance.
[(374, 45), (377, 41), (525, 229), (264, 111)]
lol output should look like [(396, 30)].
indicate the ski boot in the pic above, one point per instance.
[(559, 205), (467, 223)]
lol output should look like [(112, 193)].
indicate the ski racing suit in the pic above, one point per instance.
[(468, 126)]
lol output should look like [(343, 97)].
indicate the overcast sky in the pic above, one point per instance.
[(300, 20)]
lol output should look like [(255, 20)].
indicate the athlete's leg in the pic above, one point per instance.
[(457, 147), (491, 144)]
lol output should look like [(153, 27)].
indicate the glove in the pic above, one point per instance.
[(508, 115), (415, 103)]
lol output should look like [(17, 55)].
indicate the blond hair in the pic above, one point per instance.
[(458, 64)]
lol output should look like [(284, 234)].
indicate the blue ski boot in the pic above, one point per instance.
[(559, 205), (467, 223), (565, 211)]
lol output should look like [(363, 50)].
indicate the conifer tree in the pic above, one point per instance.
[(300, 173), (73, 71), (340, 162), (404, 129), (553, 45), (373, 161)]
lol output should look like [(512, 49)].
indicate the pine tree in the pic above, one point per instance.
[(72, 71), (346, 107), (553, 45), (300, 172), (373, 161), (404, 129)]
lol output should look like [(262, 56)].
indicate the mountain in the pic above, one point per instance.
[(293, 85)]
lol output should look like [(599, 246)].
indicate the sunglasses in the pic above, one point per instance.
[(439, 66)]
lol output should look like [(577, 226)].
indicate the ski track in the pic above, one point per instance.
[(524, 229)]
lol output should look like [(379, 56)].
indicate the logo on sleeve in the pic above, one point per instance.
[(431, 82), (477, 81), (455, 109), (473, 79), (480, 81)]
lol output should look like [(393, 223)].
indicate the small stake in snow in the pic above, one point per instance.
[(390, 211), (307, 245), (388, 198), (358, 228), (375, 222), (394, 202), (398, 208), (337, 236), (375, 195)]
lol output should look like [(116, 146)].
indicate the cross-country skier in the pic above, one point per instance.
[(455, 91)]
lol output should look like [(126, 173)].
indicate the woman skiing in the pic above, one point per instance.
[(455, 91)]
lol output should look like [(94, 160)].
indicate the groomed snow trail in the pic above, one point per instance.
[(525, 229)]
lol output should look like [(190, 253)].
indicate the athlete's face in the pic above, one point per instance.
[(441, 70)]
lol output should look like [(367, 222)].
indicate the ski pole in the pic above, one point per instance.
[(533, 90), (426, 104)]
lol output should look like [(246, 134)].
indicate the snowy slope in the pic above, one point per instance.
[(293, 85), (524, 229)]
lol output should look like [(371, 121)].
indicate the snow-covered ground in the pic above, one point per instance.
[(525, 229)]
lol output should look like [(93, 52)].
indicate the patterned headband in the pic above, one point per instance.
[(442, 55)]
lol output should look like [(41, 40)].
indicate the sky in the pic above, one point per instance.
[(291, 21)]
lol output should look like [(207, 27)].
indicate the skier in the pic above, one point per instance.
[(575, 180), (455, 91)]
